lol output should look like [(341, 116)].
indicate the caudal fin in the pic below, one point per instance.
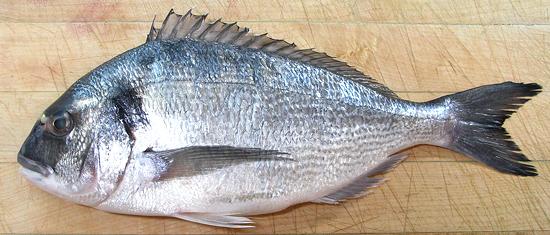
[(478, 116)]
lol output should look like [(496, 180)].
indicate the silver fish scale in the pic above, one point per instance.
[(196, 94), (190, 60), (330, 142)]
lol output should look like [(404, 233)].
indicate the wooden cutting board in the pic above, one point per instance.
[(421, 49)]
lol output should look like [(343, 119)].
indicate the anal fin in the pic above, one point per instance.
[(361, 185), (388, 164), (227, 221)]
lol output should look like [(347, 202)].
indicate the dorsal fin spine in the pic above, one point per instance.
[(313, 56), (280, 48), (224, 31), (174, 32), (187, 15), (180, 20), (244, 32), (163, 28), (253, 40), (269, 44), (333, 64), (308, 51), (153, 31), (197, 25), (296, 52), (316, 59), (210, 26), (287, 47)]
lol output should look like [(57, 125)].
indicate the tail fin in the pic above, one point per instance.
[(478, 116)]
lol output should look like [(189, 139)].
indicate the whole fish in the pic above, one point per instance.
[(210, 123)]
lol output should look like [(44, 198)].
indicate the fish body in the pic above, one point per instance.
[(204, 124), (329, 137)]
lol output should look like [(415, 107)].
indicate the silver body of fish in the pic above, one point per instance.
[(208, 123)]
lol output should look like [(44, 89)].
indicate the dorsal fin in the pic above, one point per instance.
[(176, 27)]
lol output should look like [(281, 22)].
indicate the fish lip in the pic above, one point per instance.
[(33, 165)]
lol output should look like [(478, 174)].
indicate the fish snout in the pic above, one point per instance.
[(33, 165), (30, 152)]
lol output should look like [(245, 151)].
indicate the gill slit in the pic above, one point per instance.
[(120, 177), (84, 161)]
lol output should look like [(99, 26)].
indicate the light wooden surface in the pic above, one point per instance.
[(421, 49)]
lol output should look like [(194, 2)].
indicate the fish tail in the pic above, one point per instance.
[(476, 128)]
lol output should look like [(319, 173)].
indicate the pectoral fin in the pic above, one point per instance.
[(228, 221), (196, 160)]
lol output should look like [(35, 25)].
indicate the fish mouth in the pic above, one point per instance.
[(33, 165)]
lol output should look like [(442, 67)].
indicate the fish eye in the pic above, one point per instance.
[(61, 124)]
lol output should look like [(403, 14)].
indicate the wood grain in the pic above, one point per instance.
[(422, 49), (484, 12)]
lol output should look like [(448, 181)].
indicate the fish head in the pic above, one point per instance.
[(63, 154)]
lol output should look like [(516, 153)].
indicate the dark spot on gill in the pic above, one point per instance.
[(129, 131), (129, 108)]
